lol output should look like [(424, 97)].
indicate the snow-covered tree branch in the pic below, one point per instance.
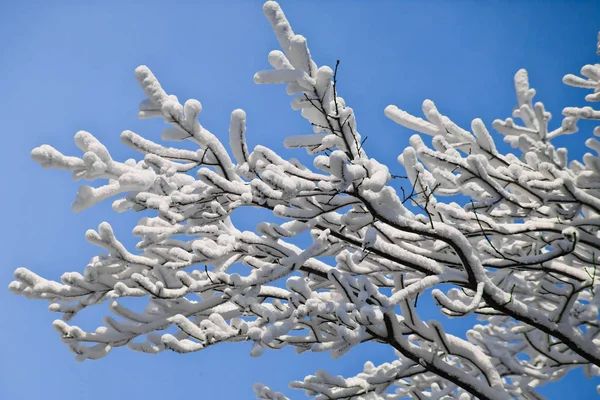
[(516, 242)]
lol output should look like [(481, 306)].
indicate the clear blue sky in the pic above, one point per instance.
[(68, 66)]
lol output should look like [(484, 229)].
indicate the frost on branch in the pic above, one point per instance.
[(521, 254)]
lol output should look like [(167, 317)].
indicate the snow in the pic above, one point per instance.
[(521, 253)]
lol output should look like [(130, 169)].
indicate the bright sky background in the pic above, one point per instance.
[(68, 66)]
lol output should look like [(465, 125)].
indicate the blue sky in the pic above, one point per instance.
[(68, 66)]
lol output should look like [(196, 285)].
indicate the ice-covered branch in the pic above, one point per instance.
[(521, 252)]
